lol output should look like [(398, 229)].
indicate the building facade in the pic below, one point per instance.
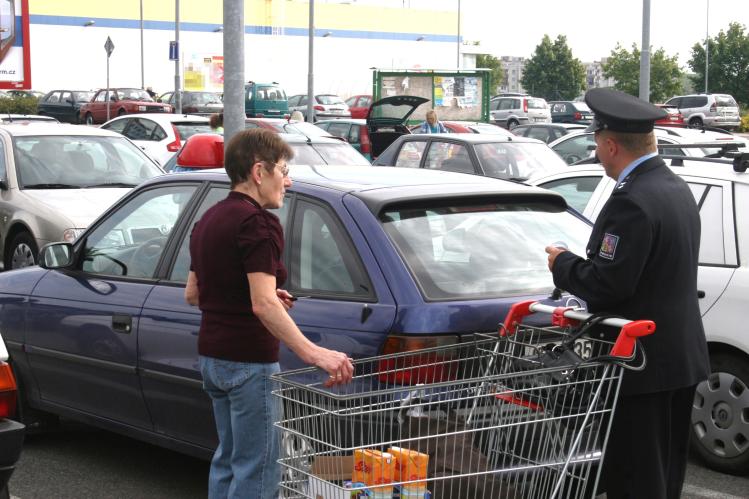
[(67, 39)]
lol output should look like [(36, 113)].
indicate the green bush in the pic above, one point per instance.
[(19, 105), (744, 123)]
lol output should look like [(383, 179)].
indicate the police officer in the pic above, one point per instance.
[(641, 263)]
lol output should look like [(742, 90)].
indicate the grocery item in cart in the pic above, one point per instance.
[(375, 469), (410, 465)]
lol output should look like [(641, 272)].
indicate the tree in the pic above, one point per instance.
[(728, 61), (553, 73), (496, 73), (624, 67)]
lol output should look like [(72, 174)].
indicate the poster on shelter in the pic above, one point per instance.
[(14, 48), (204, 73)]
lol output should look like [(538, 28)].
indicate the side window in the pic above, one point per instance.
[(131, 241), (181, 267), (54, 98), (365, 102), (139, 129), (65, 97), (293, 100), (351, 101), (494, 105), (118, 125), (353, 136), (101, 97), (3, 166), (249, 124), (700, 101), (158, 133), (505, 104), (410, 154), (575, 190), (709, 199), (539, 133), (323, 260), (449, 157), (576, 148), (673, 151)]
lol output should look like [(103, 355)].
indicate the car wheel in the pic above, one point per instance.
[(720, 427), (512, 124), (89, 119), (696, 122), (121, 112), (22, 252)]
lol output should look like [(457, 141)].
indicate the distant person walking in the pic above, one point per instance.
[(432, 124), (150, 92), (216, 122), (296, 116)]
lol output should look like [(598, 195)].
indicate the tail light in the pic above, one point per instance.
[(364, 142), (525, 105), (713, 107), (418, 367), (7, 391), (318, 108), (177, 144), (578, 115)]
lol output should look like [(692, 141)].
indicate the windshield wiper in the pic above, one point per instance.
[(111, 184), (51, 186)]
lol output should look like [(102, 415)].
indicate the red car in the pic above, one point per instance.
[(359, 105), (674, 118), (121, 101), (469, 127)]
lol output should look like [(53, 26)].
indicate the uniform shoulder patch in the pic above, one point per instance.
[(608, 246)]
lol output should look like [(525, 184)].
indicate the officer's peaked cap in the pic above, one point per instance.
[(620, 112)]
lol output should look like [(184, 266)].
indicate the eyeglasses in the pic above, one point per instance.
[(283, 169)]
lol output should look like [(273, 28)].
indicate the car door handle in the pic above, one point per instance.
[(122, 323), (700, 294)]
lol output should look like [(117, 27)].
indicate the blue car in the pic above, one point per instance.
[(384, 260)]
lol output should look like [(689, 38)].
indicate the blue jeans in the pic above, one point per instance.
[(245, 464)]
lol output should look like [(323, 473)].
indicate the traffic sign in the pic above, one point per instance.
[(109, 46), (173, 51)]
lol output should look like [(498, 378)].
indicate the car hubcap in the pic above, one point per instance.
[(720, 415), (23, 256)]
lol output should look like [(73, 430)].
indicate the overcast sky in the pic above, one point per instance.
[(593, 27)]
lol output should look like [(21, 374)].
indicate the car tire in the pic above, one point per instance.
[(4, 494), (696, 122), (77, 119), (22, 252), (718, 424), (512, 124), (89, 119), (121, 112)]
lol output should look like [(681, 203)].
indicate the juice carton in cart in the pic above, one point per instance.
[(410, 466), (376, 470)]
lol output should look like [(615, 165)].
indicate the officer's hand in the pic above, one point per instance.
[(553, 252)]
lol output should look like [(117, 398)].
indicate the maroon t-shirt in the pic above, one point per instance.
[(235, 237)]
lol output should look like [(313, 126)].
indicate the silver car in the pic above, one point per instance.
[(718, 110), (56, 179), (327, 106), (511, 111)]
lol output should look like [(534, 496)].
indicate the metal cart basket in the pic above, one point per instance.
[(522, 414)]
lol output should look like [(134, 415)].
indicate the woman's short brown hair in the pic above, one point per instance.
[(251, 146)]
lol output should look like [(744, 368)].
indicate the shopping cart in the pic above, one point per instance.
[(522, 414)]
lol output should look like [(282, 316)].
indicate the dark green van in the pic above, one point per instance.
[(265, 100)]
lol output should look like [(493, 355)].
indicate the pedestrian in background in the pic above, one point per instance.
[(150, 92), (296, 116), (216, 122), (641, 263), (235, 278), (432, 124)]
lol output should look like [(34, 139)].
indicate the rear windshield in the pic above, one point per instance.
[(725, 101), (268, 92), (187, 129), (581, 106), (326, 154), (517, 160), (488, 250), (134, 94), (82, 96), (537, 104), (329, 99)]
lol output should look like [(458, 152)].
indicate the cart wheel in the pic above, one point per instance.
[(720, 428)]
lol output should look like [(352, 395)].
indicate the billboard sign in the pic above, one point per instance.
[(15, 55)]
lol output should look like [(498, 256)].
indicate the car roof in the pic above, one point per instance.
[(378, 187), (44, 128), (165, 117), (298, 138), (356, 121), (474, 138)]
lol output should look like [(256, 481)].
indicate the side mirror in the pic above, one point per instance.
[(56, 256)]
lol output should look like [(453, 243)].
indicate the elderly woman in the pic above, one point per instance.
[(235, 279)]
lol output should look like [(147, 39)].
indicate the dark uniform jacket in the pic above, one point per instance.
[(642, 264)]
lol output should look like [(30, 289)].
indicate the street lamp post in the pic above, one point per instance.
[(645, 53), (707, 41), (142, 70), (311, 60), (458, 41), (177, 93)]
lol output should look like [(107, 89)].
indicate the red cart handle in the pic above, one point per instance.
[(564, 316)]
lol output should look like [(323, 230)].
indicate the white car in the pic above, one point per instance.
[(56, 179), (159, 135), (720, 417), (577, 146)]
